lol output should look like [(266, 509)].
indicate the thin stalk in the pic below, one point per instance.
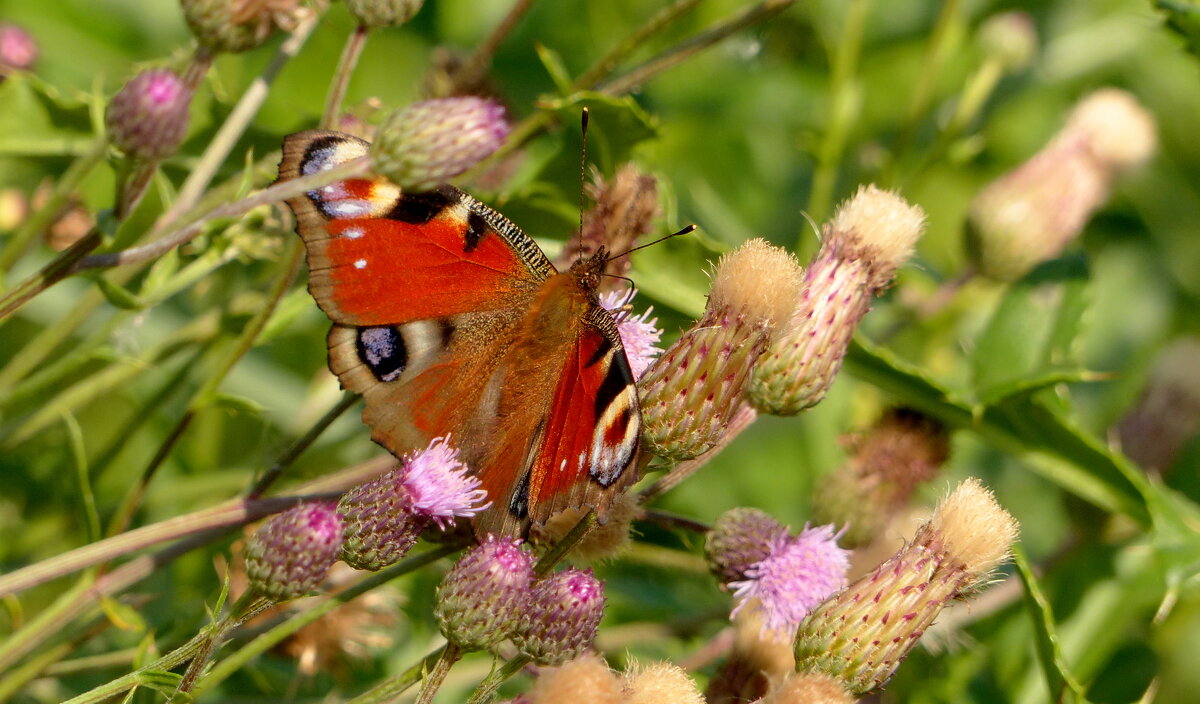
[(472, 71), (325, 604), (451, 654), (169, 661), (487, 688), (134, 187), (670, 520), (394, 686), (246, 608), (685, 50), (742, 419), (132, 500), (43, 216), (341, 77), (56, 270), (609, 62), (303, 443), (843, 110), (560, 549)]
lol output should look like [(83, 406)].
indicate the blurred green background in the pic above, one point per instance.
[(735, 136)]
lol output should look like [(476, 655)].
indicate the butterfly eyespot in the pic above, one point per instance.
[(383, 351)]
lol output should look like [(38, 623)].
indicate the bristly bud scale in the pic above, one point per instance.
[(291, 553), (385, 516), (861, 634), (902, 451), (238, 25), (690, 394), (484, 594), (18, 50), (383, 13), (870, 237), (148, 118), (560, 617), (1031, 214), (739, 539), (421, 145), (661, 683)]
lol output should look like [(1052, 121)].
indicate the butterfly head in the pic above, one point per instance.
[(588, 269)]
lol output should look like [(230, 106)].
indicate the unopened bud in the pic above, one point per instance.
[(238, 25), (481, 598), (383, 13), (148, 118), (292, 552), (560, 618), (419, 146)]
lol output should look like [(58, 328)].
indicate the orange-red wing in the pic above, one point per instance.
[(379, 257)]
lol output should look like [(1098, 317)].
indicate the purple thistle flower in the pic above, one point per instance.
[(291, 553), (18, 50), (439, 485), (478, 603), (148, 117), (796, 575), (561, 617), (640, 334)]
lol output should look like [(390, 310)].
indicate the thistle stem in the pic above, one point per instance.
[(609, 62), (473, 70), (303, 443), (341, 77), (433, 681), (487, 688), (394, 686)]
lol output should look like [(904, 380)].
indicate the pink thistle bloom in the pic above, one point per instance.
[(796, 575), (640, 334), (440, 486), (17, 49)]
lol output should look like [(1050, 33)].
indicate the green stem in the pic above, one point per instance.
[(394, 686), (41, 219), (473, 70), (58, 269), (246, 608), (171, 660), (609, 62), (451, 654), (487, 688), (341, 77), (325, 604), (560, 549), (843, 110), (297, 448)]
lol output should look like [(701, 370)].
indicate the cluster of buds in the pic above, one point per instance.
[(1032, 213), (870, 236), (903, 450), (239, 25), (148, 118), (421, 145), (18, 50), (690, 394), (860, 635), (385, 516), (491, 595)]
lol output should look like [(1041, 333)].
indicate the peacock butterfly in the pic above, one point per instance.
[(449, 320)]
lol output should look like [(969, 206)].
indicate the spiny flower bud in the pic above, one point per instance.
[(479, 601), (808, 688), (238, 25), (385, 516), (383, 13), (291, 553), (690, 394), (419, 146), (1031, 214), (18, 50), (796, 575), (740, 538), (148, 117), (903, 450), (870, 236), (1010, 38), (624, 210), (604, 540), (640, 334), (560, 617), (585, 680), (661, 683), (861, 635)]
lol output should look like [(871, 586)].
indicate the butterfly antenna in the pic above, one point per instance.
[(583, 121), (684, 231)]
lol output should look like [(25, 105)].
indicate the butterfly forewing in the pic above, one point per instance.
[(450, 321)]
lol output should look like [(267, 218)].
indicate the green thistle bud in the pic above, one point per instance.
[(148, 117), (380, 523), (383, 13), (740, 538), (478, 603), (426, 143), (560, 618), (238, 25), (291, 553), (690, 394), (871, 235), (861, 634), (1010, 38)]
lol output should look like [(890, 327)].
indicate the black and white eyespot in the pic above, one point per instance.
[(383, 351)]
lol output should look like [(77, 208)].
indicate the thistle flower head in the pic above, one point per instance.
[(795, 576), (238, 25), (808, 688), (421, 145), (148, 117), (586, 679), (870, 236), (18, 50), (691, 394), (640, 333), (560, 618), (479, 600), (1009, 37), (440, 486), (383, 13), (1116, 129), (861, 634), (661, 683), (291, 553), (739, 539)]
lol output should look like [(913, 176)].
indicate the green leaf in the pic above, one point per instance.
[(553, 63), (235, 403), (117, 294), (1063, 686), (123, 616)]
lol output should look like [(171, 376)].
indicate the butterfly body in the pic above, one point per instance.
[(449, 320)]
